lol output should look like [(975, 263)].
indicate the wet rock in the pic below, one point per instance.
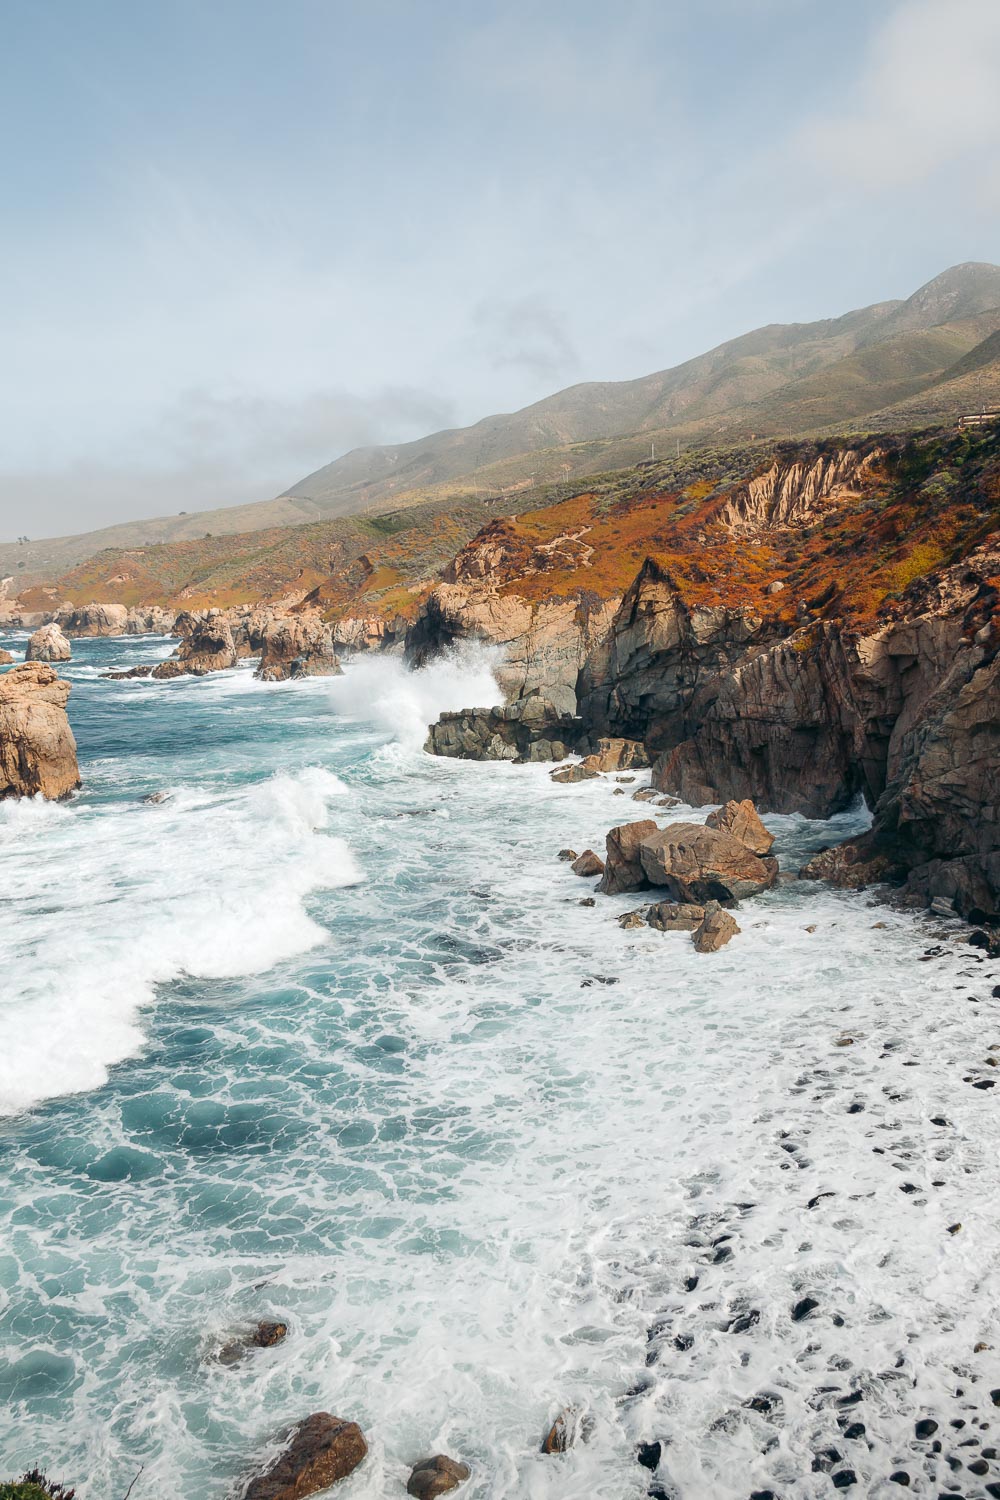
[(698, 864), (568, 855), (623, 869), (144, 671), (209, 647), (570, 774), (48, 644), (803, 1308), (844, 1479), (644, 794), (631, 919), (5, 658), (620, 755), (529, 729), (674, 916), (926, 1427), (570, 1427), (263, 1335), (900, 1476), (649, 1455), (587, 901), (717, 929), (320, 1451), (37, 748), (297, 646), (588, 863), (436, 1476), (742, 821)]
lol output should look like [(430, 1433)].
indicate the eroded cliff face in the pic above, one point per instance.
[(797, 494), (37, 748)]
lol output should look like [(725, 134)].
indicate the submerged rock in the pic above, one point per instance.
[(320, 1450), (263, 1335), (37, 748), (570, 1426), (48, 644), (698, 864), (623, 870), (436, 1476), (742, 821), (129, 672), (570, 774)]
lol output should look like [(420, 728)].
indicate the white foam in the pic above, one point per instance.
[(380, 690), (104, 905)]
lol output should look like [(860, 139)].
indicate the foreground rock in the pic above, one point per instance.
[(48, 644), (297, 646), (741, 820), (37, 748), (698, 864), (717, 929), (5, 659), (623, 868), (321, 1450), (209, 648), (588, 863), (436, 1476)]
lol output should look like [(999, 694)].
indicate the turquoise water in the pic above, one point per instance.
[(325, 1035)]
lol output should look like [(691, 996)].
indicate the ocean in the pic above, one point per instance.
[(324, 1035)]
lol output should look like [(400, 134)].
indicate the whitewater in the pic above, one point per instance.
[(298, 1022)]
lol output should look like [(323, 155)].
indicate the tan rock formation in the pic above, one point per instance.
[(48, 644), (297, 646), (37, 748), (698, 864), (94, 619), (741, 820), (623, 868), (208, 648), (797, 494), (588, 863), (436, 1476), (5, 658), (717, 929)]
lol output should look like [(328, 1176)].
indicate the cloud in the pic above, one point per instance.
[(525, 333), (208, 450), (927, 98)]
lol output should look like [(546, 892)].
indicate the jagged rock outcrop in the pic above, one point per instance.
[(320, 1451), (37, 748), (796, 494), (296, 646), (368, 633), (150, 619), (623, 867), (48, 644), (5, 658), (527, 730), (208, 648), (715, 931), (545, 644), (657, 660), (93, 619)]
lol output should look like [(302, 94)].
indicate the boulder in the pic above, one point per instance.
[(568, 855), (588, 863), (37, 748), (631, 919), (528, 730), (320, 1450), (698, 864), (673, 916), (5, 659), (623, 869), (569, 774), (209, 647), (145, 671), (297, 646), (620, 755), (715, 931), (741, 820), (436, 1476), (48, 644), (569, 1427)]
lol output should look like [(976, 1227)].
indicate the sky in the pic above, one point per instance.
[(240, 237)]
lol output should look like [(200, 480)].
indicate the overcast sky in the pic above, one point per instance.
[(242, 236)]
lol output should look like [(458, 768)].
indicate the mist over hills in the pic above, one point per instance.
[(902, 363)]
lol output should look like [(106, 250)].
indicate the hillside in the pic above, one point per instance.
[(885, 366)]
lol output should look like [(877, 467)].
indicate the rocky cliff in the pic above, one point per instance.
[(37, 748)]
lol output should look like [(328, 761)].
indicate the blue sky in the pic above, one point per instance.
[(240, 237)]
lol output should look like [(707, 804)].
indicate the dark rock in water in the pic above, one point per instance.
[(900, 1476), (130, 672), (699, 864), (567, 854), (588, 863), (623, 869), (649, 1455), (844, 1478), (926, 1428), (321, 1450), (717, 929), (263, 1335), (580, 772), (156, 798), (588, 901), (645, 794), (436, 1476), (674, 916), (632, 919), (530, 729), (803, 1308)]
